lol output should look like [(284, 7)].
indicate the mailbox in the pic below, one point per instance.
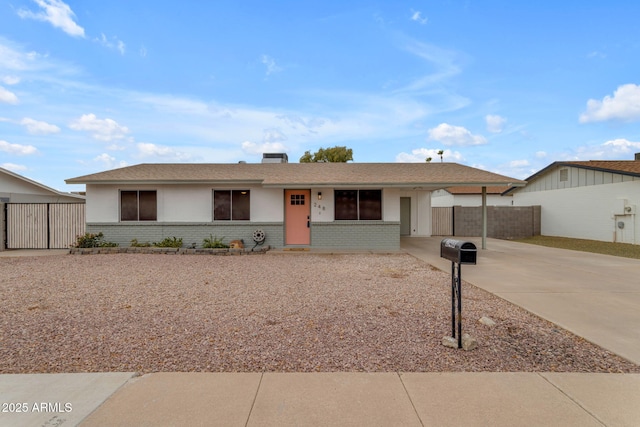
[(458, 251)]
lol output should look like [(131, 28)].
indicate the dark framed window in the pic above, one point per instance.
[(358, 205), (138, 205), (231, 205)]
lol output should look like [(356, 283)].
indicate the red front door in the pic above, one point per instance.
[(297, 213)]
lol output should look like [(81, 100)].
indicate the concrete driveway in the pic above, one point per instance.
[(594, 296)]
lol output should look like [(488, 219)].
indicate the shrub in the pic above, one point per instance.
[(135, 244), (89, 240), (169, 242), (213, 242)]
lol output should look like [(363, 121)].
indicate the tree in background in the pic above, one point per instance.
[(335, 154)]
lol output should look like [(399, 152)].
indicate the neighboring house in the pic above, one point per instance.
[(15, 188), (318, 205), (35, 216), (470, 196), (594, 200)]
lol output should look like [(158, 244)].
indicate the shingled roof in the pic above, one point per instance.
[(424, 175)]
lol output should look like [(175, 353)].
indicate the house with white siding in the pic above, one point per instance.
[(316, 205), (595, 200)]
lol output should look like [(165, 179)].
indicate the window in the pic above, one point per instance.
[(231, 205), (564, 175), (138, 206), (297, 199), (358, 205)]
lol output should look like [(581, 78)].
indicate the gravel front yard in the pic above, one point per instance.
[(274, 312)]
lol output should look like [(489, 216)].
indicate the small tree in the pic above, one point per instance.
[(440, 153), (334, 155)]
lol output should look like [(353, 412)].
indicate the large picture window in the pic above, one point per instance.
[(138, 205), (231, 205), (358, 204)]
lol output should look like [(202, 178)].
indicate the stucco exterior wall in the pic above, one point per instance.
[(186, 212), (588, 212), (420, 211), (444, 199), (181, 203)]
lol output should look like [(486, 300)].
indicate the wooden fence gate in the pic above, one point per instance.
[(44, 225), (442, 221)]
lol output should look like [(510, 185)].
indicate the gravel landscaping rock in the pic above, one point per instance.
[(275, 312)]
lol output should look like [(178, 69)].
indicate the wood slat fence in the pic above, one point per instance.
[(44, 225), (442, 221)]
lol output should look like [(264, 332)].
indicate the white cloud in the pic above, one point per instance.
[(11, 80), (251, 148), (616, 149), (112, 43), (13, 167), (495, 124), (541, 154), (455, 135), (416, 16), (36, 127), (624, 106), (57, 13), (146, 149), (622, 146), (7, 96), (420, 155), (101, 129), (109, 162), (271, 65), (17, 149)]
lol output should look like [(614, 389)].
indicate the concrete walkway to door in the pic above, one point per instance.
[(594, 296)]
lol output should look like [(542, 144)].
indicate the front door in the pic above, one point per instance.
[(297, 217), (405, 216)]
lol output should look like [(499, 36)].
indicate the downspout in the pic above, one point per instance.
[(484, 217)]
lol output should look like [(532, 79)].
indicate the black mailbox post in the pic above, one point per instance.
[(458, 252)]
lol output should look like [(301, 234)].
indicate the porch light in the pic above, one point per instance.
[(319, 195)]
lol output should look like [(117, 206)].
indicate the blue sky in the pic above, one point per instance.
[(504, 86)]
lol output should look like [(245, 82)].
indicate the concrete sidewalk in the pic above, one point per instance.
[(595, 296), (323, 399)]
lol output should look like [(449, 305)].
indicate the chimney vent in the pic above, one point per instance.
[(637, 156)]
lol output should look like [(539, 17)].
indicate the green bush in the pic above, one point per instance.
[(169, 242), (89, 240), (135, 244), (213, 242)]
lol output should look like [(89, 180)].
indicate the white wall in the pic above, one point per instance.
[(420, 211), (587, 212), (322, 210), (442, 198), (267, 205), (181, 203), (391, 204)]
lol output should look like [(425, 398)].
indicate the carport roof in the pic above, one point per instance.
[(414, 175)]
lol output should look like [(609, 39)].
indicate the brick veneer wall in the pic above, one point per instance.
[(374, 235), (362, 235), (123, 233), (503, 222)]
